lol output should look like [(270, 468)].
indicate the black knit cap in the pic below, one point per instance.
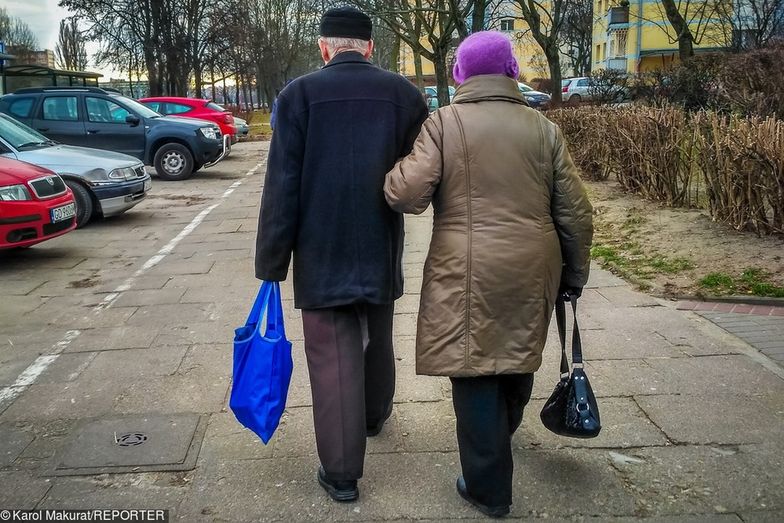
[(346, 22)]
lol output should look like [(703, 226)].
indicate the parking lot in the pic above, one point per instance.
[(115, 366)]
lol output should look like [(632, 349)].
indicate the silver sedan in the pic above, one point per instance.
[(104, 183)]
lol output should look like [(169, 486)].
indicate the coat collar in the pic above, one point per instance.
[(347, 57), (488, 87)]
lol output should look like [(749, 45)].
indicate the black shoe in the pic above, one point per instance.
[(375, 431), (493, 512), (338, 490)]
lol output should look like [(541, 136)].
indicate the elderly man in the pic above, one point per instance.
[(338, 131)]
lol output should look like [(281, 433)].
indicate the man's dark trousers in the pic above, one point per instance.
[(489, 409), (352, 379)]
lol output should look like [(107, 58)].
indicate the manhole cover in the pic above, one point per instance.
[(131, 439), (134, 444)]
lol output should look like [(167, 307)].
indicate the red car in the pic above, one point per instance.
[(35, 205), (194, 108)]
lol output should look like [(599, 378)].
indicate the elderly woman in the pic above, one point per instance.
[(512, 226)]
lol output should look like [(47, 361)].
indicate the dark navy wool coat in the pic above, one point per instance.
[(338, 132)]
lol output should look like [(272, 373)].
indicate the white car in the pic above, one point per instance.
[(576, 90)]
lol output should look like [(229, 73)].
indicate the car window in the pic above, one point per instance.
[(524, 88), (101, 110), (215, 107), (582, 83), (155, 106), (61, 108), (21, 107), (19, 135), (173, 108)]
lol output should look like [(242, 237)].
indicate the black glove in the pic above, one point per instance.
[(568, 292)]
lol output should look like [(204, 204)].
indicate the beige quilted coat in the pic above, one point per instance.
[(511, 222)]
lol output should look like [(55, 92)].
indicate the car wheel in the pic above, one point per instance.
[(575, 99), (84, 203), (173, 161)]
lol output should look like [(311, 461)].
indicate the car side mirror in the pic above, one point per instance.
[(132, 119)]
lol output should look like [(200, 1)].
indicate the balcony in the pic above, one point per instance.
[(617, 64), (618, 15)]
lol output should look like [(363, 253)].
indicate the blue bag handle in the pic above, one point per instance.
[(268, 299)]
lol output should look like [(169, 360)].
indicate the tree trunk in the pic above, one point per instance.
[(394, 55), (681, 28), (418, 74), (442, 76), (478, 16), (554, 64)]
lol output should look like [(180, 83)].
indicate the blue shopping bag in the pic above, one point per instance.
[(262, 365)]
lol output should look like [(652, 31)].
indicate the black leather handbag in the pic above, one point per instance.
[(571, 410)]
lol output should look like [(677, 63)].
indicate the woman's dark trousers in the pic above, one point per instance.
[(489, 409)]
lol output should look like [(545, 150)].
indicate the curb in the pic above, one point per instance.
[(744, 300)]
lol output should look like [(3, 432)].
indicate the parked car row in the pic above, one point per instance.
[(535, 99), (70, 154)]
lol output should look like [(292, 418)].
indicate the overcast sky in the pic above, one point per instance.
[(43, 17)]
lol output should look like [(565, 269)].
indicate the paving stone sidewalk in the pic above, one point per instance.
[(761, 326), (132, 413)]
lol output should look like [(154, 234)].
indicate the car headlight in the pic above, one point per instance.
[(125, 173), (210, 133), (14, 193)]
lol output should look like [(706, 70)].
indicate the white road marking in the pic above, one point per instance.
[(35, 369)]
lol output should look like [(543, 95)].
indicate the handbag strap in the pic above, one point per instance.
[(268, 299), (560, 319)]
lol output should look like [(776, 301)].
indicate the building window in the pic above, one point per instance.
[(598, 53), (507, 24), (618, 44)]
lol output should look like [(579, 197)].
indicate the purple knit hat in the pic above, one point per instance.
[(485, 52)]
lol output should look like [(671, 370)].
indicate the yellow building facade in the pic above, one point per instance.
[(638, 37), (506, 19)]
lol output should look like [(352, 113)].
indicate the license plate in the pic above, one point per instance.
[(65, 212), (147, 185)]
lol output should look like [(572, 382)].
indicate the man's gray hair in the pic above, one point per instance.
[(336, 44)]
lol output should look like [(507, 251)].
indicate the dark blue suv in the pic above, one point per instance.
[(94, 117)]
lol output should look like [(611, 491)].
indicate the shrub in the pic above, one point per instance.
[(734, 165)]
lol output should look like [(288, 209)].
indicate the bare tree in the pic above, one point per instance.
[(546, 21), (578, 36), (17, 35), (690, 22), (70, 52), (752, 24)]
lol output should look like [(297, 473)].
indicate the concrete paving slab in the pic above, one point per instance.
[(71, 400), (22, 489), (150, 297), (86, 318), (134, 444), (113, 338), (20, 287), (13, 441), (227, 440), (427, 427), (133, 365), (624, 425), (152, 316), (67, 368), (768, 516), (623, 296), (119, 491), (716, 417), (412, 388), (685, 479), (50, 438)]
